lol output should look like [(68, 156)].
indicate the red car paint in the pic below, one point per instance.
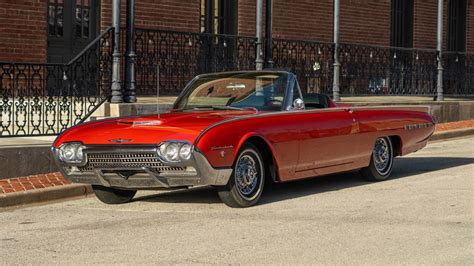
[(303, 143)]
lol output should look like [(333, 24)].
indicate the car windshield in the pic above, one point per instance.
[(255, 90)]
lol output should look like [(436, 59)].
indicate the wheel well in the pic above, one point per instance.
[(396, 144), (269, 160)]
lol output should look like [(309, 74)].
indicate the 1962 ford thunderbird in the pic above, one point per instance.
[(233, 131)]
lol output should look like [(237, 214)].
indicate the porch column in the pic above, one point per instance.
[(116, 83), (259, 60), (439, 48), (130, 86), (337, 64), (268, 34)]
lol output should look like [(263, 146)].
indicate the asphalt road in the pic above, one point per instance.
[(424, 214)]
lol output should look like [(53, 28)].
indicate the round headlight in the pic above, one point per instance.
[(68, 152), (162, 149), (171, 152), (71, 152), (185, 152), (79, 153)]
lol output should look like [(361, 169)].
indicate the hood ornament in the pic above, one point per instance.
[(119, 140)]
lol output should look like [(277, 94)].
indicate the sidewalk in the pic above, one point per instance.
[(22, 187), (32, 182)]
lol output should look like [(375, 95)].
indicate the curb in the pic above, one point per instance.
[(444, 135), (44, 194)]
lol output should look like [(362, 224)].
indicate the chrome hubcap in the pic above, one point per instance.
[(246, 176), (381, 155)]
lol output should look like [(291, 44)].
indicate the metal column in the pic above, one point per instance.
[(439, 47), (337, 64), (268, 34), (259, 60), (130, 85), (116, 83)]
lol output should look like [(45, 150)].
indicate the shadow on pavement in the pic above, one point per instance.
[(404, 168)]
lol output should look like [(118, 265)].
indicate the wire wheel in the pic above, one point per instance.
[(248, 175), (382, 156), (248, 178)]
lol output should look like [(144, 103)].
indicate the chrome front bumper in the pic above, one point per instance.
[(196, 172)]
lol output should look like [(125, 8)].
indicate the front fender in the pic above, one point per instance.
[(221, 144)]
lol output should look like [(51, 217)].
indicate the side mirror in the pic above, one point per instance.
[(298, 104)]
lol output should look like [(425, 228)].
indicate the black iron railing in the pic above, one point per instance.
[(373, 70), (458, 78), (365, 70), (312, 62), (181, 56), (45, 99)]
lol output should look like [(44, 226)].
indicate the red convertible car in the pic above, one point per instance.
[(234, 131)]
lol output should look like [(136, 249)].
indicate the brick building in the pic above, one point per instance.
[(55, 30)]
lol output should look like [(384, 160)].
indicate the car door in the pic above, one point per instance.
[(328, 141)]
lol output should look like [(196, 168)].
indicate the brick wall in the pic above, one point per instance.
[(365, 22), (362, 21), (425, 23), (470, 27), (303, 19), (179, 15), (26, 41), (246, 14), (23, 28)]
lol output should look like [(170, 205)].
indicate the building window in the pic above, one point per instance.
[(218, 16), (401, 23), (82, 20), (55, 17), (457, 25)]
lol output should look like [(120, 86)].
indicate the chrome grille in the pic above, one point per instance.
[(124, 161)]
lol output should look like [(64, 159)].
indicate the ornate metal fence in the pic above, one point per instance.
[(458, 78), (45, 99), (180, 56), (373, 70), (312, 62), (365, 70)]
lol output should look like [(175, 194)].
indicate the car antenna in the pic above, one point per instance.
[(158, 89)]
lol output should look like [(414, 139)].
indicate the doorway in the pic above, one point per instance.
[(72, 24)]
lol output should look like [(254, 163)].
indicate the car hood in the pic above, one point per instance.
[(149, 129)]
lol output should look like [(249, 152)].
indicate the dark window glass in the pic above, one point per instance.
[(221, 15), (55, 17), (457, 25), (52, 19), (401, 34), (82, 18), (60, 17)]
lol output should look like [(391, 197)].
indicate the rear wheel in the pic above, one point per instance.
[(381, 161), (246, 182), (113, 195)]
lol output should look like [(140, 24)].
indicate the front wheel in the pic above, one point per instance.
[(246, 182), (381, 162), (113, 195)]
